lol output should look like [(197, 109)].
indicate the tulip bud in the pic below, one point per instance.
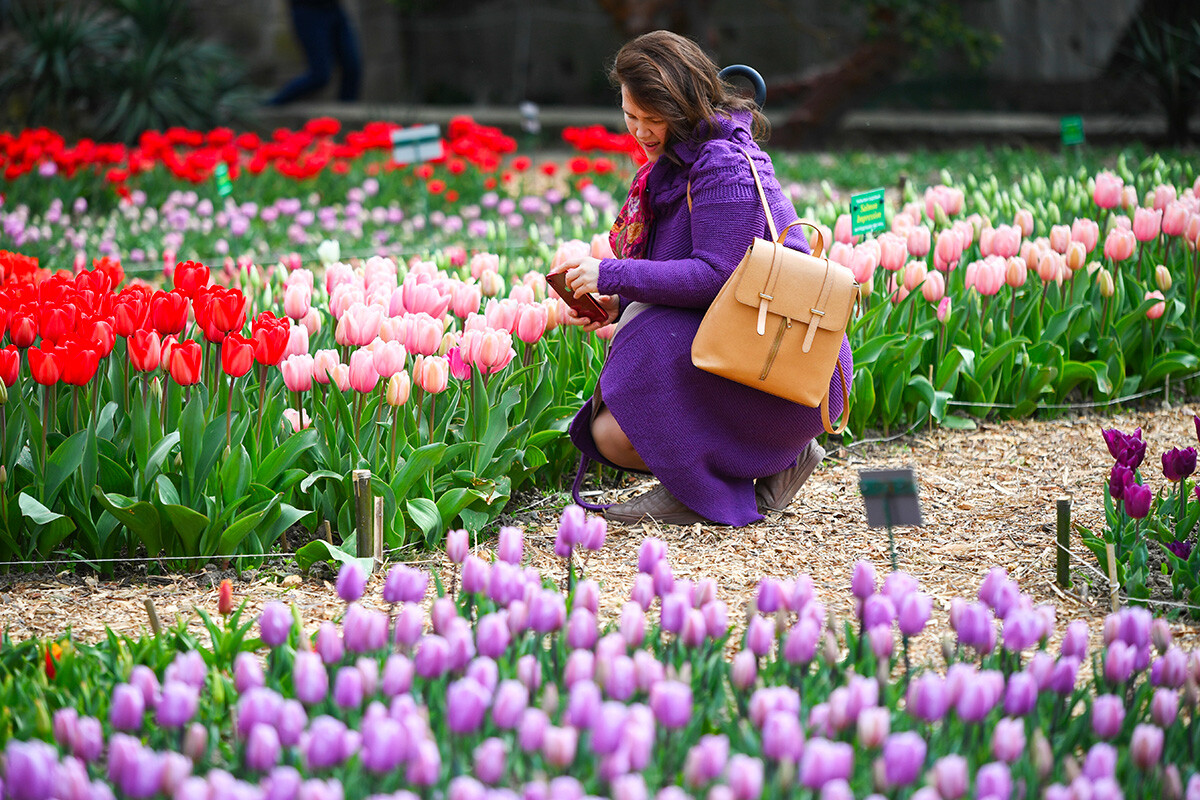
[(225, 598), (3, 393), (156, 390), (1105, 280), (829, 649), (948, 648), (1071, 768), (1043, 756), (1162, 278), (1172, 784), (786, 773), (3, 475)]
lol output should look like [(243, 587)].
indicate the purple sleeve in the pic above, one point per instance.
[(726, 215)]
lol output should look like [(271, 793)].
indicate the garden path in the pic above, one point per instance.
[(988, 499)]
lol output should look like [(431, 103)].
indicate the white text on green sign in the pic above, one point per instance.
[(867, 212)]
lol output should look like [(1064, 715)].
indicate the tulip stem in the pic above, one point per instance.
[(229, 417), (45, 423), (432, 407), (74, 408), (395, 431), (262, 391)]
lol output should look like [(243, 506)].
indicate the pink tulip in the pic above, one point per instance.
[(1107, 193), (345, 295), (918, 241), (863, 261), (501, 314), (1119, 244), (606, 332), (842, 253), (490, 283), (988, 276), (324, 362), (466, 299), (902, 223), (363, 375), (531, 323), (842, 228), (521, 294), (602, 247), (389, 357), (495, 351), (481, 262), (294, 419), (1147, 222), (459, 368), (312, 322), (934, 288), (948, 251), (1050, 266), (1123, 222), (399, 386), (1015, 272), (1129, 197), (415, 298), (569, 250), (1006, 241), (1155, 311), (432, 373), (424, 334), (1060, 238), (297, 372), (914, 275), (1164, 195), (340, 375), (1086, 231), (893, 250), (1174, 218), (555, 312), (297, 299), (359, 325), (948, 197), (943, 311), (297, 341), (1023, 221), (1076, 256), (895, 287)]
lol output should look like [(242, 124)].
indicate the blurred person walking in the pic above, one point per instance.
[(326, 36)]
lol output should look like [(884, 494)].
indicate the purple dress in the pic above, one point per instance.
[(704, 437)]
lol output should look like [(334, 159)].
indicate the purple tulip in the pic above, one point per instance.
[(770, 595), (650, 552), (275, 624), (87, 741), (383, 746), (142, 776), (432, 657), (1137, 500), (994, 780), (571, 529), (405, 584), (1108, 714), (840, 790), (262, 748), (351, 581), (642, 591), (348, 688), (559, 745), (531, 732), (745, 777), (621, 681), (950, 777), (1119, 662), (1100, 762), (247, 672), (975, 701), (1064, 674), (492, 636), (457, 545), (1164, 707), (760, 635), (629, 787), (862, 580), (903, 758), (883, 643), (65, 723), (898, 585), (694, 628), (1179, 463), (582, 631), (583, 704), (281, 783), (409, 625), (547, 611), (257, 706), (322, 745), (1022, 630), (425, 765), (1075, 639), (800, 645), (1182, 550), (529, 672), (824, 761), (974, 626), (475, 575), (310, 680), (291, 722), (914, 611), (177, 705), (147, 683), (189, 668), (743, 672), (466, 702), (465, 787), (594, 533), (1171, 669), (926, 697), (671, 702), (782, 736), (663, 577), (608, 726), (1120, 478), (874, 725), (632, 624), (1008, 740), (29, 770), (674, 606), (128, 708)]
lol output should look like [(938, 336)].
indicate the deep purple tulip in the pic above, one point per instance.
[(405, 584), (128, 708), (1132, 449), (1120, 478), (782, 736), (1182, 550), (310, 680), (745, 777), (466, 702), (1179, 463), (457, 545), (275, 624), (760, 635), (262, 748), (862, 580), (914, 611), (994, 780), (1137, 500), (1008, 740), (903, 758), (950, 777), (1100, 761), (177, 705), (671, 702), (1108, 714), (651, 551), (351, 581), (1020, 696), (511, 545)]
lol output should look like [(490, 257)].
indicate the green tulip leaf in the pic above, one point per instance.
[(284, 456), (140, 518), (1177, 362), (321, 550), (53, 527), (188, 524), (62, 463), (424, 512), (321, 474)]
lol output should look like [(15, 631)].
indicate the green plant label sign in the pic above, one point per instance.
[(1072, 130), (416, 144), (866, 212), (224, 186)]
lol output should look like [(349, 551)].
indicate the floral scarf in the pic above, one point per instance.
[(631, 230)]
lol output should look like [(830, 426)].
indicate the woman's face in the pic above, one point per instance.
[(648, 128)]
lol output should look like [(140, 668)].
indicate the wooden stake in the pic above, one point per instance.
[(153, 612), (1114, 600), (363, 513), (377, 538), (1064, 540), (326, 531)]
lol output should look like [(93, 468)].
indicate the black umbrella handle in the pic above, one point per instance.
[(750, 73)]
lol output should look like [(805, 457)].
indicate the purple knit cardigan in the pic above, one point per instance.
[(704, 437)]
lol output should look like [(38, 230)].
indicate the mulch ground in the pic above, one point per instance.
[(988, 498)]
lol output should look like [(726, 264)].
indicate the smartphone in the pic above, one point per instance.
[(585, 306)]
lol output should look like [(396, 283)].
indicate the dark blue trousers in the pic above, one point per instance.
[(327, 37)]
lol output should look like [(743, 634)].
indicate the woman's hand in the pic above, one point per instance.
[(611, 305), (583, 274)]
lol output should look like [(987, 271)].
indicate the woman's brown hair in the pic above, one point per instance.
[(671, 76)]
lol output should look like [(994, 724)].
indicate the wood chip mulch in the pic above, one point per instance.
[(988, 498)]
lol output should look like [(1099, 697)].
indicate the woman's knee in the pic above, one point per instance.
[(612, 442)]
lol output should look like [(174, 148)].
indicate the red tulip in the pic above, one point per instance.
[(168, 312), (22, 330), (130, 310), (220, 311), (45, 365), (10, 364), (79, 362), (184, 362), (270, 336), (100, 333), (189, 277), (145, 350), (237, 355), (58, 322)]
